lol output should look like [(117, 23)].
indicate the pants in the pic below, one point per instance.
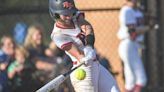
[(133, 67), (97, 79)]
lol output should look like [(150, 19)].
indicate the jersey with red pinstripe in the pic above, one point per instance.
[(97, 79), (64, 37)]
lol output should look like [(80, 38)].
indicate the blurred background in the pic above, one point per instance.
[(17, 17)]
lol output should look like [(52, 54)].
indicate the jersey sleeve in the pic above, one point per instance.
[(139, 18), (62, 40), (129, 17)]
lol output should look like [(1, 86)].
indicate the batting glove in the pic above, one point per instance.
[(90, 55)]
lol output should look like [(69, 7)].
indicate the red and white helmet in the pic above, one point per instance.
[(64, 7)]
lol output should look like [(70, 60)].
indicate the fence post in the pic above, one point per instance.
[(151, 52)]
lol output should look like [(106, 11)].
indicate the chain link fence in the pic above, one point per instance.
[(102, 14)]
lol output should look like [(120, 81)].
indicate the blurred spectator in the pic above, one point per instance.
[(131, 35), (34, 43), (36, 47), (6, 53), (59, 56), (20, 72), (20, 32), (61, 60), (47, 59), (56, 50), (18, 65), (15, 69)]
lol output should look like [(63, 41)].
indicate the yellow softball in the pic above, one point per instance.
[(80, 74)]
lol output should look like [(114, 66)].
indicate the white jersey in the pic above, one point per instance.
[(128, 49), (127, 16), (63, 37), (98, 79)]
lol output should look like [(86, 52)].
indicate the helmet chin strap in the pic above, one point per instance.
[(68, 23)]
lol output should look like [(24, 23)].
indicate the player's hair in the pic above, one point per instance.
[(23, 51), (3, 39), (56, 17), (90, 39), (31, 30)]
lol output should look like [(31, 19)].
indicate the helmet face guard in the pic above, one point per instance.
[(61, 7)]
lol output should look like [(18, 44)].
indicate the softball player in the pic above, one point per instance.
[(130, 33), (140, 24), (74, 34)]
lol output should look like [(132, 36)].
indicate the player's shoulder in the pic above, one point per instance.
[(56, 29), (127, 9), (58, 33)]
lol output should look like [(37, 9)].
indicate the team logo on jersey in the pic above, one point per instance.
[(67, 5)]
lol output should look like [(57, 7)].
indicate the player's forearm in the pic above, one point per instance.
[(135, 31), (142, 29), (89, 54), (85, 25), (87, 28), (90, 38), (74, 51)]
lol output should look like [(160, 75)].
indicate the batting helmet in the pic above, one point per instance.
[(64, 7)]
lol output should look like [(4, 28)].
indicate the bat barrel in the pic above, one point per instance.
[(57, 81), (52, 84)]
